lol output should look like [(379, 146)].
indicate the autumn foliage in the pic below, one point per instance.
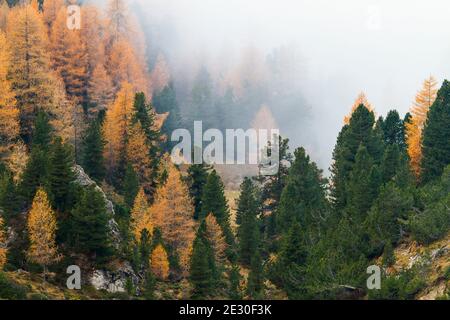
[(159, 262), (140, 216), (42, 231)]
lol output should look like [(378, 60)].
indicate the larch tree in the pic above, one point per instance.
[(118, 23), (4, 11), (18, 160), (30, 73), (69, 57), (3, 249), (160, 75), (50, 11), (172, 212), (9, 113), (140, 216), (419, 111), (116, 125), (360, 100), (100, 91), (137, 154), (42, 232), (159, 262), (215, 236), (93, 36), (123, 65)]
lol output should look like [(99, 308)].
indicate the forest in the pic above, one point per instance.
[(86, 177)]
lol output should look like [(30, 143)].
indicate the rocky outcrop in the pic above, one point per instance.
[(84, 180), (114, 281)]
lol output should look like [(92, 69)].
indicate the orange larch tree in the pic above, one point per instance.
[(9, 113), (50, 10), (116, 126), (32, 79), (100, 90), (69, 57), (140, 216), (424, 99), (172, 212), (159, 262), (42, 232), (216, 237)]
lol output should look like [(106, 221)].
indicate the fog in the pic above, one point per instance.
[(384, 48)]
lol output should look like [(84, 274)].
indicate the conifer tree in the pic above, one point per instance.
[(140, 216), (172, 212), (214, 235), (436, 136), (42, 227), (303, 198), (9, 113), (214, 201), (255, 282), (197, 176), (202, 265), (35, 175), (235, 291), (61, 176), (100, 90), (165, 101), (414, 127), (247, 219), (30, 73), (93, 150), (130, 186), (360, 100), (9, 200), (159, 263), (394, 130), (291, 262), (89, 220), (42, 134)]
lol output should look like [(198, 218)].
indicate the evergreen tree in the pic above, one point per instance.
[(291, 263), (436, 136), (359, 131), (90, 233), (35, 175), (202, 270), (166, 101), (394, 130), (9, 201), (42, 135), (61, 176), (235, 292), (247, 219), (197, 177), (93, 145), (255, 282), (303, 198), (130, 186), (214, 201)]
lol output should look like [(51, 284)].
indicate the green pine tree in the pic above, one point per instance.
[(35, 175), (255, 282), (436, 136), (130, 186), (90, 233), (93, 160), (42, 134), (235, 291), (214, 201), (197, 176), (247, 217)]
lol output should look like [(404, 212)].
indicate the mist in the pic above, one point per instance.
[(339, 48)]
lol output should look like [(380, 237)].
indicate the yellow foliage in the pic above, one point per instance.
[(159, 262), (160, 76), (9, 113), (117, 123), (31, 76), (137, 151), (42, 231), (4, 10), (424, 99), (50, 11), (172, 212), (360, 100), (69, 57), (140, 216), (216, 237), (100, 90), (3, 249), (18, 160)]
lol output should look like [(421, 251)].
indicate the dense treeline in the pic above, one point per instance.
[(92, 107)]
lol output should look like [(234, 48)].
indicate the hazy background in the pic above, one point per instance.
[(384, 48)]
